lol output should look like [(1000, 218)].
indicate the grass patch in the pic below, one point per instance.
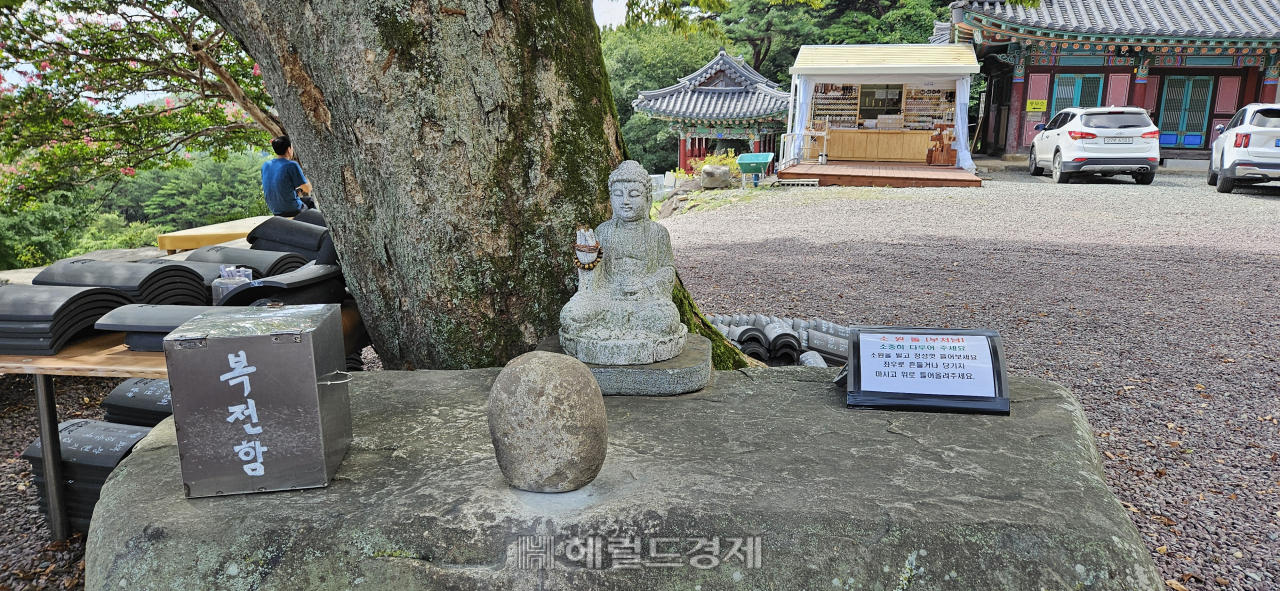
[(709, 200)]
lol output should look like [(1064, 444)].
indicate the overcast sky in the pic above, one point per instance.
[(610, 12)]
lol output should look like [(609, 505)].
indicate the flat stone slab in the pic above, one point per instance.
[(837, 499), (689, 371)]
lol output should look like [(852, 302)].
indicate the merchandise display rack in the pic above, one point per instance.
[(837, 104), (925, 107)]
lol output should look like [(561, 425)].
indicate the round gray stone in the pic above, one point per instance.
[(716, 177), (548, 423)]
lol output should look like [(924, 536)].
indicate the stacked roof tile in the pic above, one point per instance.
[(726, 89)]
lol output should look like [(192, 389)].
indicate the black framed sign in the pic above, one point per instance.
[(927, 369)]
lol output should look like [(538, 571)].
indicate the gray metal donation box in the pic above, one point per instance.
[(259, 398)]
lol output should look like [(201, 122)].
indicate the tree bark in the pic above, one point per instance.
[(455, 144)]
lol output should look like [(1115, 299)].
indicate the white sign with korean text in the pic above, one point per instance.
[(948, 365)]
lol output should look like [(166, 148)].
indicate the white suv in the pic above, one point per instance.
[(1247, 150), (1104, 140)]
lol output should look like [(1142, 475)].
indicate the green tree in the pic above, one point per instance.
[(652, 143), (207, 191), (72, 122), (39, 231), (680, 16), (905, 21), (650, 57), (111, 230), (771, 29), (133, 212)]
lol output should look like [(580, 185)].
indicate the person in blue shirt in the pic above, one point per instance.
[(282, 180)]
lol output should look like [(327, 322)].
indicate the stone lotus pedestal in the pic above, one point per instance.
[(689, 371), (641, 351)]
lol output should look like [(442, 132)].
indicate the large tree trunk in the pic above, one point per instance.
[(455, 145)]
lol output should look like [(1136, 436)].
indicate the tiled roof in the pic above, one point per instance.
[(941, 33), (732, 91), (1226, 19)]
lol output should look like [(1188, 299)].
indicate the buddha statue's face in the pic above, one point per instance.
[(629, 201)]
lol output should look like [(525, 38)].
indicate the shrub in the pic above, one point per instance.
[(110, 230), (727, 159)]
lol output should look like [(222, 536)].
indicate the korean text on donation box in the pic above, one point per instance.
[(953, 365)]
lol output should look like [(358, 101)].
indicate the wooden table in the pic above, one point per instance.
[(102, 356), (105, 356), (192, 238)]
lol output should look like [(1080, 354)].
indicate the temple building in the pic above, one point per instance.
[(724, 100), (1191, 65)]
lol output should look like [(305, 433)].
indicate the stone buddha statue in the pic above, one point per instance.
[(622, 313)]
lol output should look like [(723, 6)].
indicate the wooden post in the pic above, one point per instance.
[(1139, 93), (51, 457), (1250, 86), (1271, 81), (1014, 139), (993, 115), (683, 162)]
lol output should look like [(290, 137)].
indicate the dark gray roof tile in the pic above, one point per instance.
[(1222, 19), (745, 94), (941, 33)]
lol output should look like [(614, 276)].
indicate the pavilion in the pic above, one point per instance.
[(725, 99), (1191, 65)]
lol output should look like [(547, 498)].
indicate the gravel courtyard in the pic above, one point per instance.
[(1159, 307)]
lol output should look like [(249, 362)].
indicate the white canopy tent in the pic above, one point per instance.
[(883, 64)]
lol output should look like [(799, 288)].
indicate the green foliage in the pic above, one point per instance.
[(905, 21), (205, 192), (652, 143), (132, 213), (680, 16), (774, 32), (39, 231), (110, 230), (73, 120), (648, 57), (726, 159)]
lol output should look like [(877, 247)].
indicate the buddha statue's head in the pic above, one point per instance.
[(630, 192)]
